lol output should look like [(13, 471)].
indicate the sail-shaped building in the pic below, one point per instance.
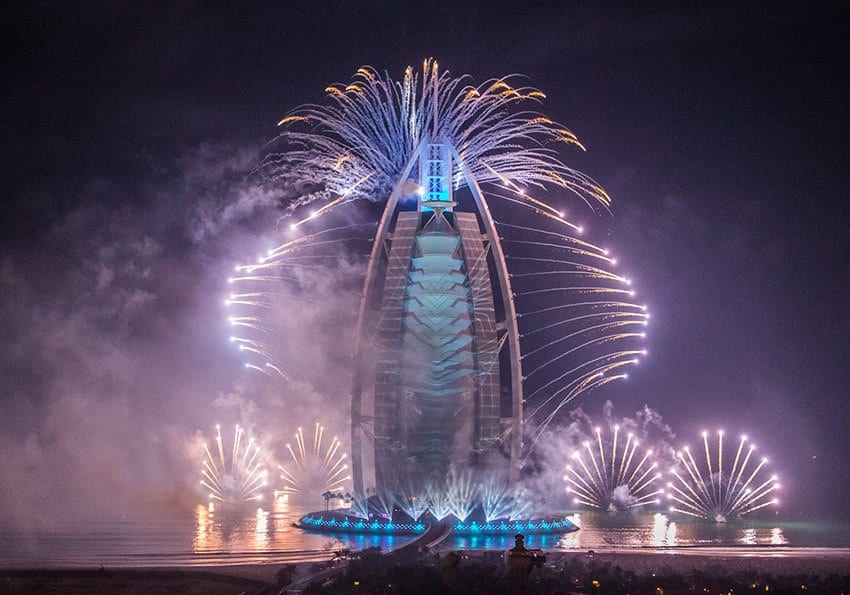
[(438, 376), (438, 418)]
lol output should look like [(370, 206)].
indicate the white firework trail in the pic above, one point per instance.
[(708, 492), (234, 473), (500, 500), (413, 503), (263, 293), (574, 310), (317, 465), (462, 493), (613, 474), (357, 145)]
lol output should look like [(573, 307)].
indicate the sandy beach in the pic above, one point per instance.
[(126, 582), (261, 578), (778, 561)]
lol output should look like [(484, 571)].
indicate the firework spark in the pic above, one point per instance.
[(459, 494), (580, 326), (612, 474), (237, 474), (712, 493), (317, 466), (357, 145), (500, 500), (263, 294)]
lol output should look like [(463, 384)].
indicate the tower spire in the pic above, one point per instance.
[(434, 103)]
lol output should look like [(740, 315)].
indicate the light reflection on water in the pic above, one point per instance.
[(777, 537), (600, 531), (210, 536), (663, 531), (774, 536), (603, 531), (215, 532), (261, 531)]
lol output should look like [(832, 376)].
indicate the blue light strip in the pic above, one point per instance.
[(347, 525), (511, 527), (318, 522)]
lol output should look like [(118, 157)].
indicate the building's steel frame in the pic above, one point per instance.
[(378, 253)]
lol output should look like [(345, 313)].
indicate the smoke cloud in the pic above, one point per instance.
[(554, 449), (116, 361)]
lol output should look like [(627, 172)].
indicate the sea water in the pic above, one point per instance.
[(209, 537), (601, 531)]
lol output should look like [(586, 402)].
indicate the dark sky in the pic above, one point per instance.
[(719, 132)]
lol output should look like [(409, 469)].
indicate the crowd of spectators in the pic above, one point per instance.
[(490, 572)]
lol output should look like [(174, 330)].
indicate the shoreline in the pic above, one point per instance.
[(680, 556), (261, 577)]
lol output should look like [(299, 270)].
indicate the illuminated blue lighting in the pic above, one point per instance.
[(503, 528), (331, 524), (435, 175), (337, 523)]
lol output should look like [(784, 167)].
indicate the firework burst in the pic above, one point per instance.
[(719, 491), (357, 145), (234, 475), (579, 325), (613, 474), (291, 277), (459, 494), (316, 467), (500, 500)]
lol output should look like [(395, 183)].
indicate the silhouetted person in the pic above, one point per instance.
[(522, 560)]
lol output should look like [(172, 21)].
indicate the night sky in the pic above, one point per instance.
[(128, 129)]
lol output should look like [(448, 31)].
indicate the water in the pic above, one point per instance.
[(264, 536), (207, 538), (600, 531)]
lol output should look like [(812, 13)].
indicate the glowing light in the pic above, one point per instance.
[(611, 476), (315, 466), (707, 492), (465, 121), (237, 474), (354, 146)]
